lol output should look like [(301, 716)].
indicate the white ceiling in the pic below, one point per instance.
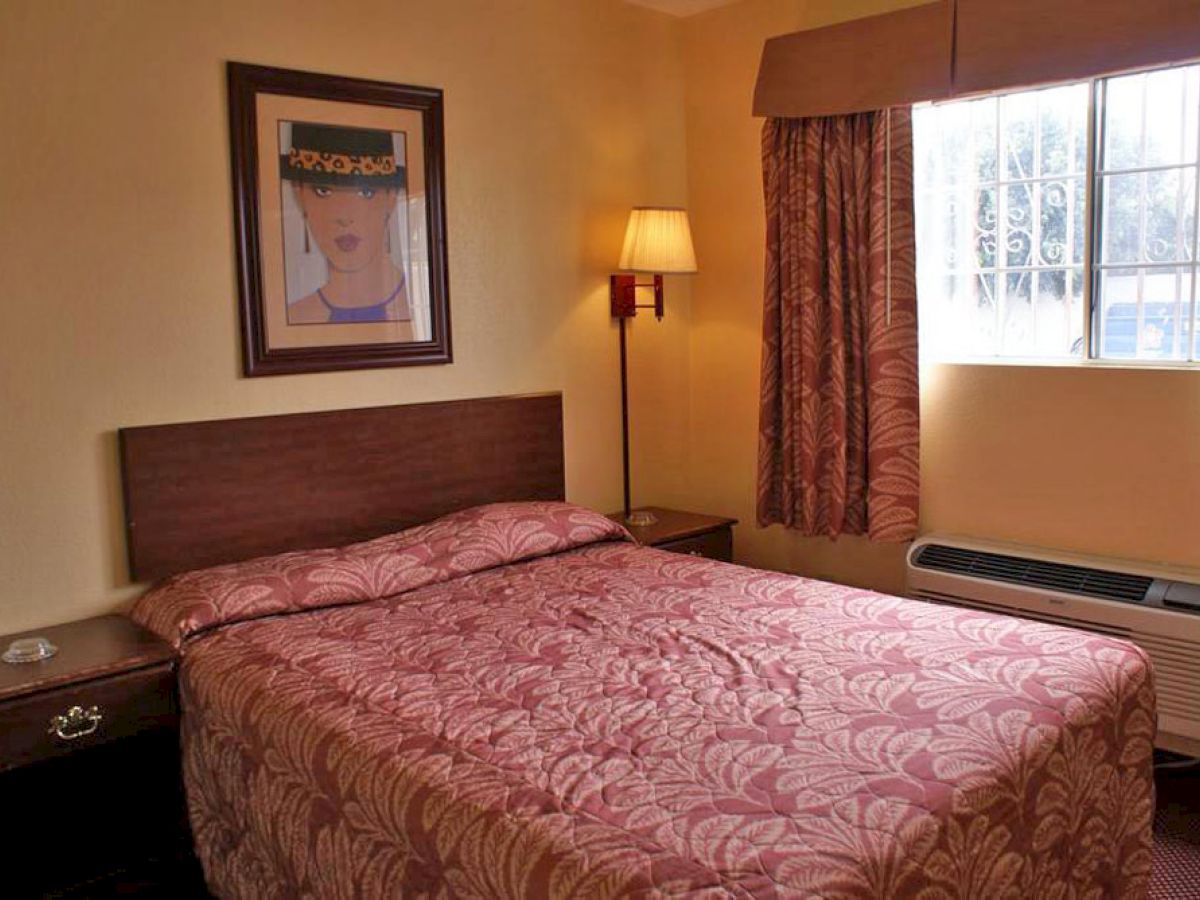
[(681, 7)]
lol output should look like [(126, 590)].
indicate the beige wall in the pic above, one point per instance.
[(117, 255), (117, 264), (1094, 461)]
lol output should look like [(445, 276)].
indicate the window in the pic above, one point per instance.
[(1016, 259)]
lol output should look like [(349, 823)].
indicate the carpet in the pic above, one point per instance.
[(1177, 835)]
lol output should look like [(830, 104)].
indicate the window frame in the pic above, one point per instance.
[(1092, 214)]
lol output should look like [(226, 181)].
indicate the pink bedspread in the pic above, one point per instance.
[(516, 702)]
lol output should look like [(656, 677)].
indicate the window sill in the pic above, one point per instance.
[(1040, 363)]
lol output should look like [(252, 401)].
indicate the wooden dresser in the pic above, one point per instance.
[(89, 766)]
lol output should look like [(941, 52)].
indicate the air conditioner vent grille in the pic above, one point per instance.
[(1052, 576)]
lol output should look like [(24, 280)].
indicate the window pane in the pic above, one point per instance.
[(1121, 218), (1043, 313), (1000, 224), (1196, 319), (1018, 113), (1123, 122), (962, 149), (1004, 225), (979, 317), (1079, 216), (1059, 312), (984, 144), (1170, 220), (1062, 130), (1148, 212), (985, 229), (1144, 313), (1054, 197), (1150, 118), (1020, 334), (1044, 132), (1149, 216), (966, 323), (1019, 218)]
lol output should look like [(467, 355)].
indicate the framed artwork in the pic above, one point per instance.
[(339, 213)]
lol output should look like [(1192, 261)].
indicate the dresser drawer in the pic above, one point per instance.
[(57, 722), (713, 545)]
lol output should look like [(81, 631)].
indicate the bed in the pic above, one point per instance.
[(515, 700)]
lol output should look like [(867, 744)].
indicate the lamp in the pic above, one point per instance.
[(658, 240)]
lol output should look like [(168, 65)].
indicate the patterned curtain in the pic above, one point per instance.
[(838, 425)]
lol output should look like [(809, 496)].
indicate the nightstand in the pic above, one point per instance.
[(695, 534), (90, 787)]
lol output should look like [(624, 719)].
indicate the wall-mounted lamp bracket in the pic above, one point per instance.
[(622, 292)]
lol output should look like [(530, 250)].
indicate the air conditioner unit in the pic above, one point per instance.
[(1157, 609)]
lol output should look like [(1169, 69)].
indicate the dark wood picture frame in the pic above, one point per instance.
[(245, 83)]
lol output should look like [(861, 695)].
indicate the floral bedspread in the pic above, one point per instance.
[(516, 701)]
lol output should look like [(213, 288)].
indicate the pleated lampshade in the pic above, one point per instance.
[(658, 240)]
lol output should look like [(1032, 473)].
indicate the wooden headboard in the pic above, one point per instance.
[(203, 493)]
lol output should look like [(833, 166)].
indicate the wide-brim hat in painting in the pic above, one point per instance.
[(340, 155)]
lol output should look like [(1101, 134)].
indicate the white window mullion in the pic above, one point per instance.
[(1143, 205), (1069, 246), (1092, 318), (1137, 170), (1177, 327), (1000, 284), (1177, 331), (1035, 218), (1113, 144), (1035, 251), (1148, 266), (1192, 353)]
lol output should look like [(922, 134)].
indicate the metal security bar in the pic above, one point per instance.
[(1056, 223), (1151, 253)]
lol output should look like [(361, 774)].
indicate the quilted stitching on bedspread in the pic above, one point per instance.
[(616, 721)]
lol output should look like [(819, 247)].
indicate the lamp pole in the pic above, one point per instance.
[(623, 290), (624, 417)]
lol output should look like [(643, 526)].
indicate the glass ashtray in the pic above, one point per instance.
[(29, 650)]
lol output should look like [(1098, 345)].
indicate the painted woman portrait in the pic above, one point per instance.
[(349, 188)]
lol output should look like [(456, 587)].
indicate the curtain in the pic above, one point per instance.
[(838, 424)]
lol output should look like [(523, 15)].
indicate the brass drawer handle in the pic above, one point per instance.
[(695, 553), (77, 722)]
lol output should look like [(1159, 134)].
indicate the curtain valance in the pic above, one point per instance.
[(857, 66), (1019, 43), (953, 48)]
